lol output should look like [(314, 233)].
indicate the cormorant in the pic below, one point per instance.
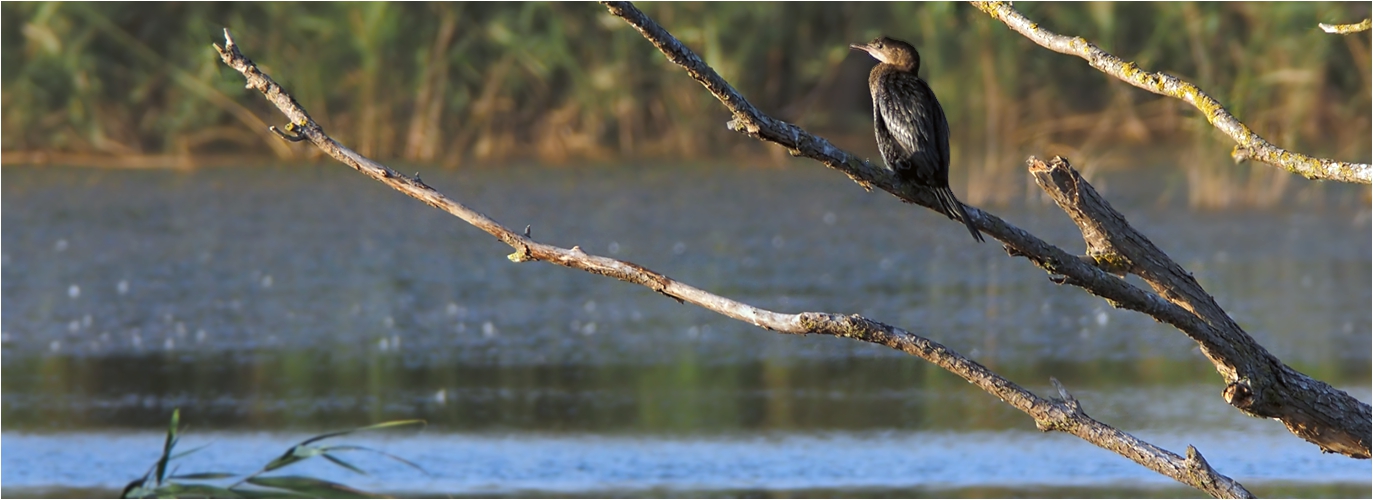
[(912, 133)]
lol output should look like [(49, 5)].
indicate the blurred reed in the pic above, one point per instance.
[(453, 83)]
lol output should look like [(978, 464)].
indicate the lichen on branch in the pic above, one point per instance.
[(1249, 145)]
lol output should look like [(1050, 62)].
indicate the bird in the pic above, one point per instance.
[(912, 132)]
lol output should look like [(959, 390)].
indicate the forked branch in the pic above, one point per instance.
[(1257, 383), (1263, 385), (1063, 414), (1249, 144)]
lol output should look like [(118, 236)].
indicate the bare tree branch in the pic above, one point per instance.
[(1250, 145), (1064, 414), (1345, 29), (1258, 384), (1308, 407)]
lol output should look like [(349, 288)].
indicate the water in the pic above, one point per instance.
[(273, 303), (571, 464)]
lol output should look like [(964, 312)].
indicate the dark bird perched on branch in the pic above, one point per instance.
[(912, 133)]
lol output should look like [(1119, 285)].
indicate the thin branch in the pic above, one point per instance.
[(1345, 29), (1250, 145), (1261, 385), (1049, 414)]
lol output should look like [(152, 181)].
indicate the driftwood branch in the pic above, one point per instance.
[(1257, 382), (1345, 29), (1249, 144), (1064, 414)]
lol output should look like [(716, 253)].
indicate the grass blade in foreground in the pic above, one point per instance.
[(156, 483)]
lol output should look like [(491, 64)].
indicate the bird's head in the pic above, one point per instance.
[(891, 51)]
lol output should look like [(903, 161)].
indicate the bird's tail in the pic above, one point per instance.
[(954, 209)]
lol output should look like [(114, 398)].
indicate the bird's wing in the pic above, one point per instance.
[(914, 119)]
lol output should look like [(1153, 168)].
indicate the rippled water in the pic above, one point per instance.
[(285, 300)]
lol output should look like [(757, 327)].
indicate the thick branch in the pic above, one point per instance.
[(1059, 414), (1245, 369), (1250, 145), (1345, 29), (1262, 385)]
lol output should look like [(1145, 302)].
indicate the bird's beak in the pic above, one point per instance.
[(871, 51)]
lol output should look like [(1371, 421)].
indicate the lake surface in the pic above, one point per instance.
[(270, 304)]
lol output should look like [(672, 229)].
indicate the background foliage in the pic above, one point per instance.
[(457, 83)]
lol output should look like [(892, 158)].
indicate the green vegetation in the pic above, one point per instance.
[(454, 83), (158, 483)]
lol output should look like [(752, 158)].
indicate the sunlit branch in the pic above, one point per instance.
[(1258, 383), (1250, 145), (1063, 414), (1345, 29)]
